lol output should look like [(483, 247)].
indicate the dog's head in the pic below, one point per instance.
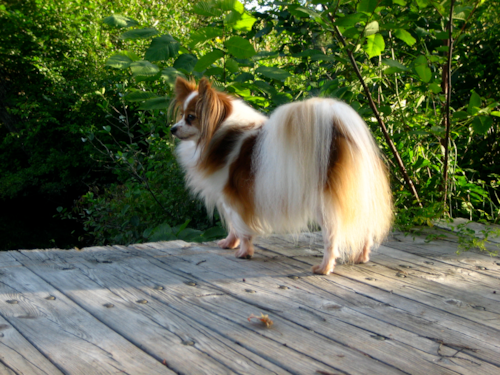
[(201, 110)]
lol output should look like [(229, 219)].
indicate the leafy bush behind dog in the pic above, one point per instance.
[(273, 54)]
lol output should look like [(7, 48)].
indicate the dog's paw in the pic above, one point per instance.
[(321, 269), (362, 258), (244, 253), (229, 243)]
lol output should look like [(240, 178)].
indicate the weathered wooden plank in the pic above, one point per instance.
[(18, 356), (398, 280), (165, 333), (317, 313), (445, 252), (459, 277), (451, 327), (73, 340), (143, 274)]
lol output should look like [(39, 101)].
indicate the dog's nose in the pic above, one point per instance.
[(173, 130)]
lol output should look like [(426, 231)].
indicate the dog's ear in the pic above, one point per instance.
[(212, 109), (204, 86), (183, 88)]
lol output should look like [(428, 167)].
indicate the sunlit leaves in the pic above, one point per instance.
[(241, 22), (273, 72), (120, 21), (405, 36), (119, 61), (422, 68), (207, 60), (374, 45), (240, 47), (139, 96), (200, 36), (395, 66), (170, 74), (162, 48), (371, 28), (139, 34), (144, 70)]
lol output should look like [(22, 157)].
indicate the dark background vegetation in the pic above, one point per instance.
[(85, 152)]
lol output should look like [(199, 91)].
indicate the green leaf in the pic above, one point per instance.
[(423, 3), (367, 6), (405, 36), (207, 60), (322, 57), (474, 103), (495, 113), (232, 66), (232, 17), (243, 77), (186, 62), (305, 12), (170, 74), (240, 47), (214, 233), (199, 37), (422, 68), (460, 115), (371, 28), (481, 124), (374, 45), (143, 70), (263, 55), (394, 64), (399, 2), (120, 21), (139, 34), (350, 20), (231, 5), (162, 48), (208, 9), (139, 96), (119, 61), (435, 87), (156, 103), (245, 22), (273, 72)]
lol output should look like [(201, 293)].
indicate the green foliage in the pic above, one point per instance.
[(105, 74)]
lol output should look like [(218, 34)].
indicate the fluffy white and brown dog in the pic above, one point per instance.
[(309, 162)]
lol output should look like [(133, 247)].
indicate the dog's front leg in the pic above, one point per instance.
[(230, 242)]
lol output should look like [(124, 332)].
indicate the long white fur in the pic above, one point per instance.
[(291, 164)]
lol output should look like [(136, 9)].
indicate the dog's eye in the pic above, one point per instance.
[(191, 117)]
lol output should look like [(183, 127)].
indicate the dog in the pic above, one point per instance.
[(310, 162)]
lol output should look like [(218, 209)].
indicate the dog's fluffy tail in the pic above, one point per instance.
[(317, 162)]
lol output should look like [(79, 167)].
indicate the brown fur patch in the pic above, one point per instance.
[(239, 188), (222, 144)]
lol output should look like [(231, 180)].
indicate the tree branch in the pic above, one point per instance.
[(388, 139), (447, 71)]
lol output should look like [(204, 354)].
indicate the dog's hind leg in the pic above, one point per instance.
[(364, 256), (246, 249), (331, 251)]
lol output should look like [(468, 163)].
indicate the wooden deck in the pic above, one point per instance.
[(174, 307)]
